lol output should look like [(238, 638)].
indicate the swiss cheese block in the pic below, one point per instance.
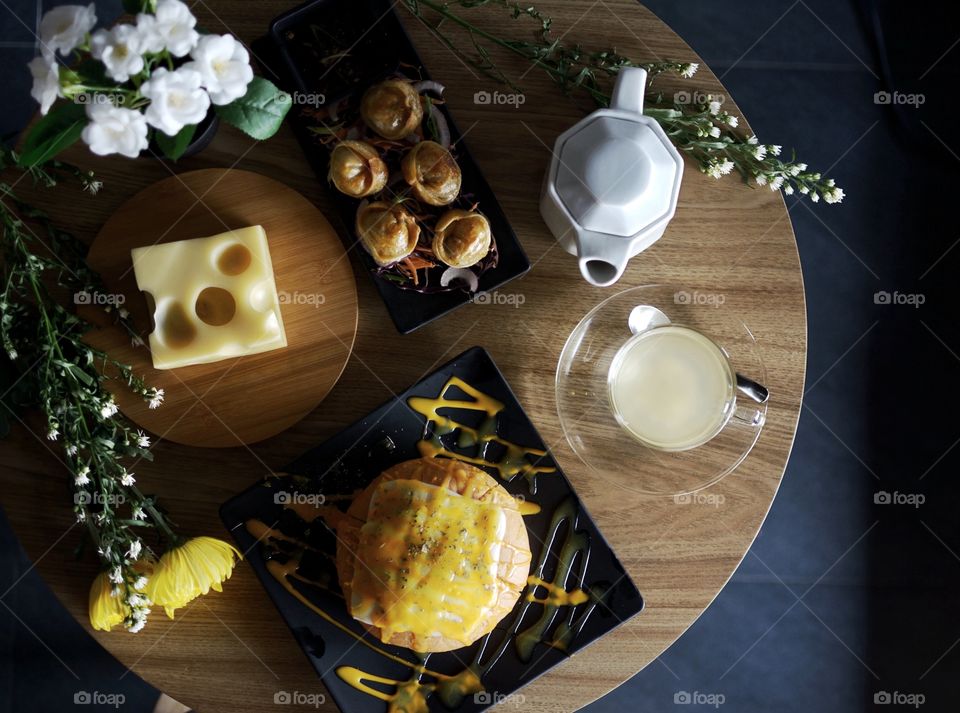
[(213, 298), (429, 561)]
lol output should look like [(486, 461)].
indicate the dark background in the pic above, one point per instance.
[(842, 598)]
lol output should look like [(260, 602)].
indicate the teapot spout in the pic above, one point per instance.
[(603, 258)]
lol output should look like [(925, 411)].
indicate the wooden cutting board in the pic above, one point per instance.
[(245, 399)]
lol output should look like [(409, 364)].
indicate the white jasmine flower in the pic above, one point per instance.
[(753, 140), (143, 440), (127, 479), (137, 626), (116, 576), (135, 547), (804, 190), (100, 517), (46, 81), (81, 516), (12, 353), (140, 582), (137, 601), (715, 132), (170, 28), (688, 70), (831, 182), (115, 591), (156, 399), (138, 514), (224, 65), (71, 450), (802, 166), (774, 149), (732, 121), (794, 170), (113, 130), (834, 195), (714, 107), (815, 197), (104, 552), (761, 180), (776, 183), (176, 99), (52, 434), (727, 166), (760, 152), (109, 407), (123, 313), (788, 189), (82, 477), (64, 27), (119, 50)]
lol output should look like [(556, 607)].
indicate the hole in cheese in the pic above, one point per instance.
[(176, 329), (215, 306), (234, 260)]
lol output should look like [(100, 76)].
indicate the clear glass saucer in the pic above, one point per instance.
[(583, 401)]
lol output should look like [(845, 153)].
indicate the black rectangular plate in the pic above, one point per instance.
[(378, 45), (390, 434)]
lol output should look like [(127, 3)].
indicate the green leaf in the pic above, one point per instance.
[(52, 134), (259, 112), (174, 146)]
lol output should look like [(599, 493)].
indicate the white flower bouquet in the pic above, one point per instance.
[(154, 79)]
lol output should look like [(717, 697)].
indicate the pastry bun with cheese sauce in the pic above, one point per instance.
[(432, 555)]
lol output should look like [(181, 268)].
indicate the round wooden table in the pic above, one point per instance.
[(231, 651)]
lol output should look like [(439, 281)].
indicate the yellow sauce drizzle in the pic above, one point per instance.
[(515, 458), (556, 595), (527, 507)]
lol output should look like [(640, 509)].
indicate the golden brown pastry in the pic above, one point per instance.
[(432, 555), (386, 231), (357, 169), (393, 108), (461, 238), (433, 174)]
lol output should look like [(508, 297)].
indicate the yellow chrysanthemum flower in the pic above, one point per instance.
[(106, 610), (189, 570)]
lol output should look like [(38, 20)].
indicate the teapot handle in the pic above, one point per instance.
[(629, 89)]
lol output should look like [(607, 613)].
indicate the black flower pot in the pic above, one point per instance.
[(202, 137)]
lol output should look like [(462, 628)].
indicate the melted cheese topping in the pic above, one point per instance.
[(427, 561)]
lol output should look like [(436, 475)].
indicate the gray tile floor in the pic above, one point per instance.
[(840, 598)]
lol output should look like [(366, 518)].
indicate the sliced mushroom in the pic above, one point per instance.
[(393, 108), (386, 231), (357, 169), (461, 238), (433, 174)]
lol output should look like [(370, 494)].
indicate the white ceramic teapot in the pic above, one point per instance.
[(613, 183)]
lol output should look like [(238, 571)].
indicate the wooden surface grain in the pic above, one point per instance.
[(231, 651), (241, 400)]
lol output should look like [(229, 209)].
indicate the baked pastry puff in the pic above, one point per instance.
[(461, 238), (393, 108), (356, 169), (386, 231), (432, 555)]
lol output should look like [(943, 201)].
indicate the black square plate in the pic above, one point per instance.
[(568, 549), (368, 44)]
